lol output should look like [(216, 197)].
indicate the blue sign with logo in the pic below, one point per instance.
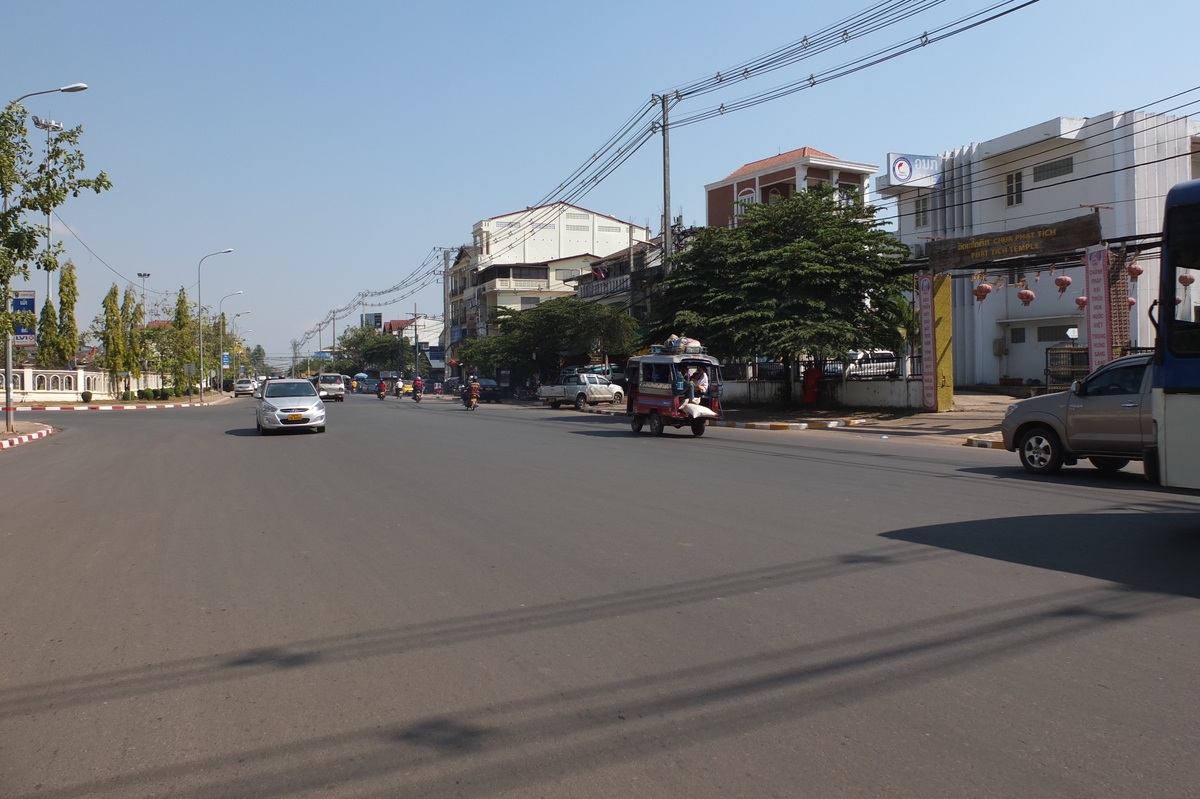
[(24, 301), (914, 170), (224, 360)]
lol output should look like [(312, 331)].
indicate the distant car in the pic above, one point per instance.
[(1106, 418), (289, 403), (489, 390), (331, 387), (243, 387)]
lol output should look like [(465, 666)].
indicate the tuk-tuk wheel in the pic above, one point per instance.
[(635, 424), (656, 424), (698, 427)]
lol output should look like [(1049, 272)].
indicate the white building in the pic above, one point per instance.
[(521, 259), (1117, 164)]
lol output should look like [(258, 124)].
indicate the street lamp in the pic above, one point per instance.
[(200, 317), (221, 343), (10, 424)]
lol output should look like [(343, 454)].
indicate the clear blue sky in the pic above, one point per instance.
[(332, 145)]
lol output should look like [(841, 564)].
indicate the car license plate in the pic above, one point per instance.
[(295, 417)]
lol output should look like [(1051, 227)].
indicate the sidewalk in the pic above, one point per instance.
[(975, 420), (24, 433)]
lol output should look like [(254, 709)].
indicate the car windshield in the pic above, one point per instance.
[(330, 379), (290, 390), (486, 382)]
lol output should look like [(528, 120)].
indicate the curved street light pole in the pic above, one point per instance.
[(238, 361), (221, 343), (200, 317), (10, 424)]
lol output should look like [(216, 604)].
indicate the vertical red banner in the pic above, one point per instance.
[(929, 393), (1098, 329)]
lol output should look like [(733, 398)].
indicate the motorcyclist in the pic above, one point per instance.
[(473, 389), (399, 386), (381, 388), (418, 385)]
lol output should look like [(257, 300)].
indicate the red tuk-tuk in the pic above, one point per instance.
[(658, 390)]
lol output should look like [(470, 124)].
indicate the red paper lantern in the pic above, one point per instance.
[(1063, 282), (1134, 270), (1186, 280), (1081, 302), (1026, 296), (982, 290)]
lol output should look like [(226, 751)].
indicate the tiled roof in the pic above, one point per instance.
[(780, 160)]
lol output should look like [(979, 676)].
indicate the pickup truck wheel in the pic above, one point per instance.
[(1040, 450), (656, 424), (581, 402), (1109, 464), (635, 424), (555, 404)]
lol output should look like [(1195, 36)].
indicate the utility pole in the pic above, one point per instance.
[(667, 242), (416, 345)]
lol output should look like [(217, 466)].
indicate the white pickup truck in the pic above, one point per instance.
[(582, 390)]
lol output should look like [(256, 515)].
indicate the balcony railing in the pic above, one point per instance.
[(604, 288), (514, 284)]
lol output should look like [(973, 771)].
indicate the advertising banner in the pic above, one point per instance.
[(24, 301), (922, 171), (1098, 330), (929, 388)]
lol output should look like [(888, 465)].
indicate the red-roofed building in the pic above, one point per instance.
[(779, 177)]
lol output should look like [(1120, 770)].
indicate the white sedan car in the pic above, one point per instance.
[(288, 403)]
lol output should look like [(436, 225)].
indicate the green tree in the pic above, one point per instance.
[(258, 360), (112, 336), (180, 342), (68, 330), (811, 274), (364, 348), (558, 327), (48, 344), (132, 316), (32, 186)]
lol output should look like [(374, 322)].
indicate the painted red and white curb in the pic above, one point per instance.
[(6, 443), (982, 442), (111, 407)]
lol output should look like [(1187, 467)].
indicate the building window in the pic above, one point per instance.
[(774, 196), (578, 216), (529, 302), (563, 274), (921, 211), (508, 224), (1017, 335), (1054, 333), (1012, 188), (1054, 169), (542, 225), (579, 228), (608, 229)]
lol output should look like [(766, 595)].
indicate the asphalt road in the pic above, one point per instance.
[(516, 602)]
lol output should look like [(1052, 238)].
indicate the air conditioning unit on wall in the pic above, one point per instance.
[(999, 346)]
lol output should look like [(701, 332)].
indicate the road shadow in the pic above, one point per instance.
[(1081, 476), (242, 431), (1146, 551)]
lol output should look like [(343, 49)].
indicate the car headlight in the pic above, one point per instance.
[(269, 408), (1010, 409), (320, 406)]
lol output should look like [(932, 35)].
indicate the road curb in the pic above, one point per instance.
[(110, 407), (8, 443), (984, 443)]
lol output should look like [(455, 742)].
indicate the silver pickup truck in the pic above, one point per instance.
[(581, 390)]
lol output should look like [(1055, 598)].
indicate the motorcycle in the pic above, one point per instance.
[(416, 395), (469, 402), (381, 393)]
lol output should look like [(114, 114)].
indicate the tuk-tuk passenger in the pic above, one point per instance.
[(697, 384)]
